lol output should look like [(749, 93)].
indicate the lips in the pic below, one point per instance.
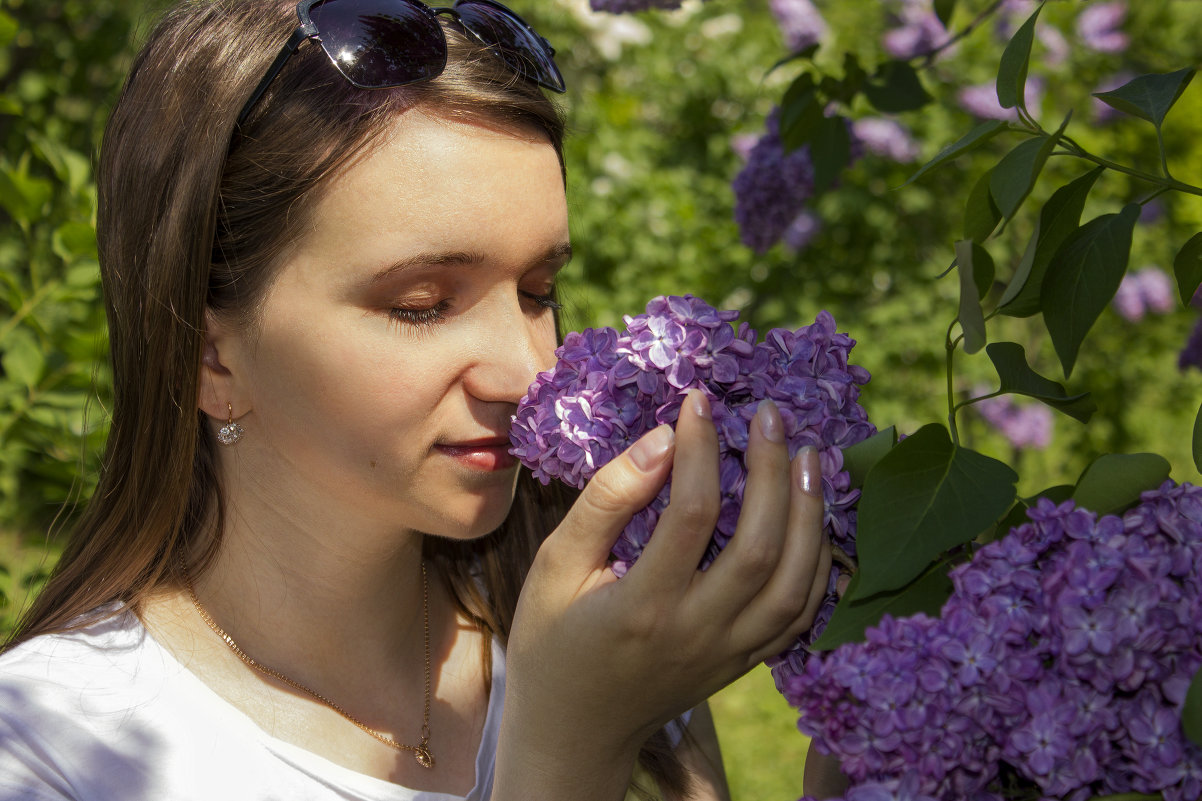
[(487, 454)]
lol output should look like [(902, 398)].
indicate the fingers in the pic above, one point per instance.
[(753, 555), (686, 526), (615, 493)]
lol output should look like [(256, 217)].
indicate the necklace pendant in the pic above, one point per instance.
[(423, 756)]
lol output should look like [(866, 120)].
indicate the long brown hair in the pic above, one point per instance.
[(194, 215)]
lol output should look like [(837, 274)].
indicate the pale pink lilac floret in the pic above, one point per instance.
[(609, 388), (1058, 668)]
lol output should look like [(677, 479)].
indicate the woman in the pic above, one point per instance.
[(299, 576)]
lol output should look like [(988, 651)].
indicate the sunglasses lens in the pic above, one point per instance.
[(381, 43), (502, 30)]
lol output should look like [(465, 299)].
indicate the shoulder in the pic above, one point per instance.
[(98, 712)]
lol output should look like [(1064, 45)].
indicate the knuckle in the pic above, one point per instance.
[(606, 495), (757, 557), (694, 513)]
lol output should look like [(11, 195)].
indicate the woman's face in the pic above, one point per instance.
[(404, 327)]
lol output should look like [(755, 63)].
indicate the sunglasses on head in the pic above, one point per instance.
[(377, 44)]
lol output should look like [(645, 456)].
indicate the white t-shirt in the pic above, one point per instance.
[(107, 714)]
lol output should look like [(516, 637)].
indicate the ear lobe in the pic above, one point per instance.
[(219, 385)]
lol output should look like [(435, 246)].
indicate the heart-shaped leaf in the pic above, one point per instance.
[(854, 614), (1114, 481), (1083, 277), (1010, 361), (1149, 97), (923, 497)]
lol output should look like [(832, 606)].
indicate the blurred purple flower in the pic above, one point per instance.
[(919, 30), (801, 231), (1026, 426), (1191, 353), (772, 188), (628, 6), (886, 137), (1098, 26), (981, 100), (800, 22), (1146, 290)]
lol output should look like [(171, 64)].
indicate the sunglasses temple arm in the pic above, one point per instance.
[(290, 47)]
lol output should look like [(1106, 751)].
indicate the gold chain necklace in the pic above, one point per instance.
[(421, 751)]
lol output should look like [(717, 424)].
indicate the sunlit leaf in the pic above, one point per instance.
[(1114, 481), (1012, 72), (923, 497), (970, 141), (1187, 267), (858, 459), (1149, 97), (854, 613), (1016, 375), (1059, 219), (981, 214)]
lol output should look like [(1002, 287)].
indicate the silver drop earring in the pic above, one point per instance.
[(231, 432)]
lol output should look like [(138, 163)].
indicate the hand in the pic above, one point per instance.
[(595, 665)]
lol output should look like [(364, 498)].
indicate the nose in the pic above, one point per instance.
[(510, 351)]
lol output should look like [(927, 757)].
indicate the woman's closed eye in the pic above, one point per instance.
[(546, 301), (420, 317)]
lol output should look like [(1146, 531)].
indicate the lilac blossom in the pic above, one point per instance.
[(800, 22), (1146, 290), (1025, 426), (1057, 669), (609, 388), (772, 188), (1099, 24), (886, 137)]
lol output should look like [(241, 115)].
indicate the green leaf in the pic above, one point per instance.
[(801, 55), (981, 214), (971, 140), (1059, 219), (923, 497), (1191, 712), (1018, 513), (1022, 273), (1197, 441), (1187, 266), (895, 88), (23, 361), (1114, 481), (1012, 72), (8, 29), (976, 276), (1149, 97), (1015, 175), (855, 614), (858, 459), (23, 196), (800, 113), (74, 239), (944, 10), (830, 151), (1010, 361), (1083, 277)]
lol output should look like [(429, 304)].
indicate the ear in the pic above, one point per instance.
[(220, 372)]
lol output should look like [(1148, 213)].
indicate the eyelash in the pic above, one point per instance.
[(435, 314)]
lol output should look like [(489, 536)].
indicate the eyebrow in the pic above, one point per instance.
[(559, 253)]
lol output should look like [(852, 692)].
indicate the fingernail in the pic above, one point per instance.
[(651, 450), (810, 478), (700, 404), (768, 419)]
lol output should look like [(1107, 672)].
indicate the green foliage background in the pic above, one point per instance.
[(649, 163)]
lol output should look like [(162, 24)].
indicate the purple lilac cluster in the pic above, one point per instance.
[(1058, 668), (772, 189), (1024, 426), (609, 388), (1146, 290)]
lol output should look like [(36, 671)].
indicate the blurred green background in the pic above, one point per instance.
[(656, 101)]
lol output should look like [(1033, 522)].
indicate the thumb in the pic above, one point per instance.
[(618, 490)]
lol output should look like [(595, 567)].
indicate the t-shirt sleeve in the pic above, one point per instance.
[(28, 769)]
